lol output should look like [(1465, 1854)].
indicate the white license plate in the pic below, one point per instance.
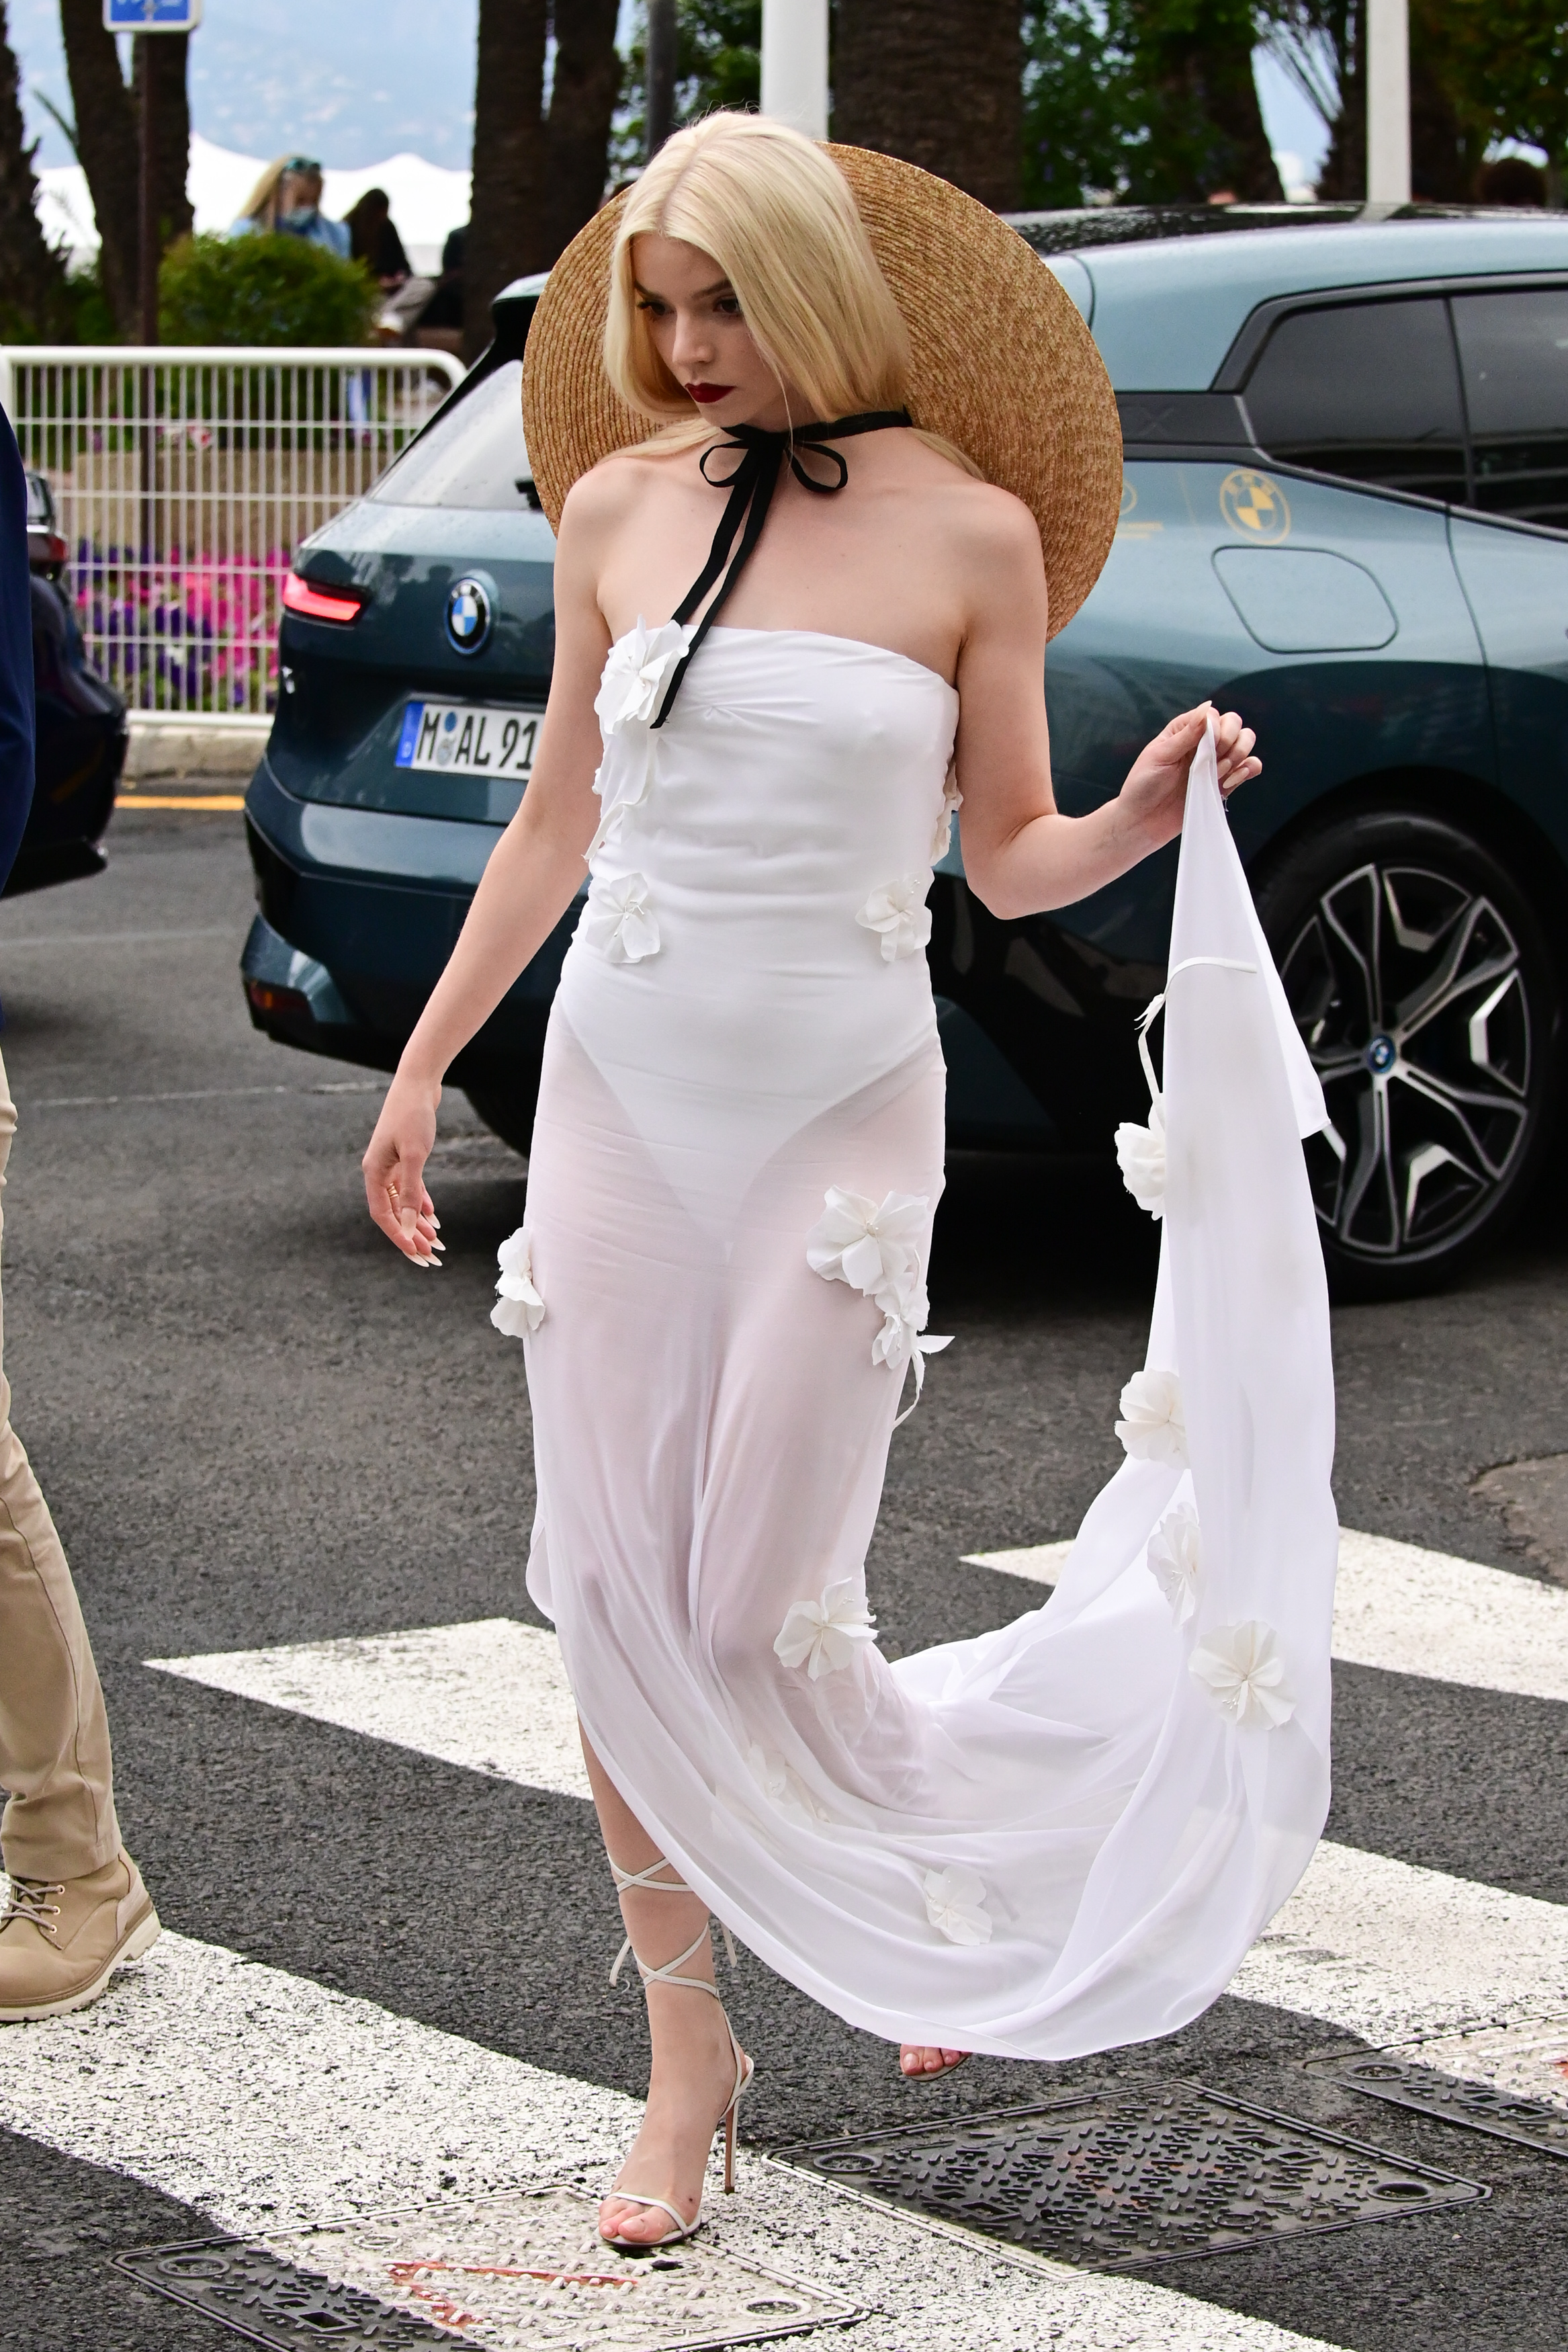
[(469, 739)]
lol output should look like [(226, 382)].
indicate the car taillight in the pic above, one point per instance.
[(320, 603), (278, 1003), (46, 547)]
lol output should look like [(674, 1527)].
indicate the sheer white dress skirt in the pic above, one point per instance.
[(1038, 1843)]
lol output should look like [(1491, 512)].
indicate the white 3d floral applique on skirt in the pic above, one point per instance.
[(1054, 1838)]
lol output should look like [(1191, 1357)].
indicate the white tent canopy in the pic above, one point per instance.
[(426, 202)]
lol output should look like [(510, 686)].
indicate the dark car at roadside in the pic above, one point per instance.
[(80, 724), (1345, 512)]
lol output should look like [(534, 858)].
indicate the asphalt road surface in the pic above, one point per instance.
[(257, 1428)]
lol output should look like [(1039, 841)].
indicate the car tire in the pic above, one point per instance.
[(508, 1114), (1423, 985)]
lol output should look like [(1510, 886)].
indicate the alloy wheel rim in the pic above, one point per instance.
[(1409, 989)]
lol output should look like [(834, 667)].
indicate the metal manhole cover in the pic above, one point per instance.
[(1511, 2081), (526, 2272), (1120, 2180)]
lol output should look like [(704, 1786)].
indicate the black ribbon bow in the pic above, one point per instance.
[(751, 484)]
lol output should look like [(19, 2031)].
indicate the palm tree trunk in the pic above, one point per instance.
[(1224, 74), (108, 147), (939, 82), (165, 56), (32, 277), (1344, 175), (508, 232), (583, 101)]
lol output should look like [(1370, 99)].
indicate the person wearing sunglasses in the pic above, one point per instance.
[(286, 201)]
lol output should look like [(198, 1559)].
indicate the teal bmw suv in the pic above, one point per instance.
[(1345, 513)]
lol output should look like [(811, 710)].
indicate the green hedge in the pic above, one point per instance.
[(263, 290)]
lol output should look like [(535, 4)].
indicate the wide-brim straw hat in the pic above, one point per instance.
[(1003, 365)]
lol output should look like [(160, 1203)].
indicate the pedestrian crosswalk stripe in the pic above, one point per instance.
[(491, 1695), (1375, 1946), (1387, 1950), (1413, 1612), (264, 2100)]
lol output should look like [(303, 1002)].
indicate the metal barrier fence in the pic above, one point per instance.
[(184, 479)]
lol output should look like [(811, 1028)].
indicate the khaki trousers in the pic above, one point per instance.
[(54, 1732)]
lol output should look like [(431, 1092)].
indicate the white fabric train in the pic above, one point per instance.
[(1058, 1837)]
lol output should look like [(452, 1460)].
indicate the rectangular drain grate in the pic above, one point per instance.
[(526, 2272), (1511, 2081), (1118, 2179)]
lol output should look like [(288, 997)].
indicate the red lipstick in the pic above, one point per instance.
[(709, 392)]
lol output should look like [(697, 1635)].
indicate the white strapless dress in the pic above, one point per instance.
[(1058, 1837)]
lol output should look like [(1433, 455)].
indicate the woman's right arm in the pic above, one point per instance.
[(532, 877)]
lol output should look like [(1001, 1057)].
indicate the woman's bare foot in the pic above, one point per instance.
[(917, 2058), (692, 2079)]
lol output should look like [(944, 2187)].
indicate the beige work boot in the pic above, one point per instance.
[(61, 1941)]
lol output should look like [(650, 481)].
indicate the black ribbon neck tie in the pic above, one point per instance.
[(751, 483)]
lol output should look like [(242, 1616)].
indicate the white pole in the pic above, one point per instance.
[(795, 64), (1388, 102)]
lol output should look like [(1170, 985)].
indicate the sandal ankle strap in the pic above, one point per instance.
[(669, 1972), (646, 1883)]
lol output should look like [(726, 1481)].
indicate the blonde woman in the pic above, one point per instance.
[(286, 201), (791, 632)]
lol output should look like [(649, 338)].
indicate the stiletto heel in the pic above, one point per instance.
[(743, 2068)]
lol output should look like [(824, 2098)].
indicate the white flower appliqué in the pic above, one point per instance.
[(1152, 1427), (1244, 1674), (518, 1308), (941, 839), (622, 782), (823, 1635), (902, 1342), (1141, 1150), (783, 1787), (898, 910), (638, 669), (619, 920), (873, 1248), (955, 1903), (1176, 1556), (870, 1246), (1141, 1154)]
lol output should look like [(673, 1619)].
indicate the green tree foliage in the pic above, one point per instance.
[(1084, 117), (1477, 73), (262, 290), (1152, 102), (35, 304), (718, 62), (1509, 60)]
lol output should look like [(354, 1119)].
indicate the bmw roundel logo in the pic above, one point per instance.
[(468, 616)]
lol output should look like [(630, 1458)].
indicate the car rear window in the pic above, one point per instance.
[(1366, 390), (1513, 358), (472, 456)]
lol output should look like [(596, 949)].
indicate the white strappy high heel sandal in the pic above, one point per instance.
[(670, 1974)]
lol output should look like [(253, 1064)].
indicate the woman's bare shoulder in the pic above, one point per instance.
[(608, 494), (994, 523), (981, 518), (986, 543)]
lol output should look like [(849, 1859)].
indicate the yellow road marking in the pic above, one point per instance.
[(217, 801)]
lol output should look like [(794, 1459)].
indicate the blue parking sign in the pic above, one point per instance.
[(152, 15)]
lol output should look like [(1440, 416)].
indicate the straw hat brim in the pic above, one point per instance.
[(1003, 364)]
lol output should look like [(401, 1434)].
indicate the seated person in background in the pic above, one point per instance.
[(1511, 179), (438, 325), (286, 201), (444, 308), (373, 240)]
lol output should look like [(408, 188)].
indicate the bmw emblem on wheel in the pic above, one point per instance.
[(468, 614)]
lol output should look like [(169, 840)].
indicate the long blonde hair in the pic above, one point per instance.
[(777, 216), (261, 204)]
